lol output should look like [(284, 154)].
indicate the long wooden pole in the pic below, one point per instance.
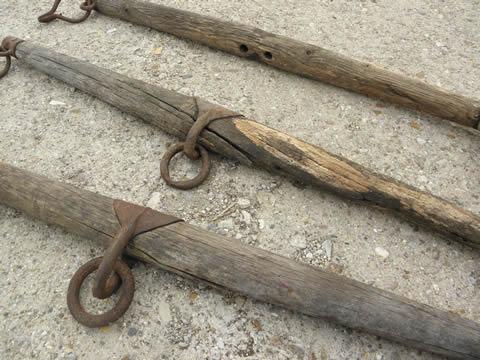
[(299, 58), (254, 144), (196, 253)]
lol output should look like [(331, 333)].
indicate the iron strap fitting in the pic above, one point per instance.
[(112, 273), (7, 50), (192, 148), (88, 6)]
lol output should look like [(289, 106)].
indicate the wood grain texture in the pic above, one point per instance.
[(196, 253), (300, 58), (254, 144)]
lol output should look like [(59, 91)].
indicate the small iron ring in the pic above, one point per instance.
[(126, 295), (185, 184), (87, 6), (8, 61)]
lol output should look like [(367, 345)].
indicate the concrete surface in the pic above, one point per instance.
[(49, 128)]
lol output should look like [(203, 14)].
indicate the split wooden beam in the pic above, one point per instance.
[(195, 253), (297, 57), (252, 143)]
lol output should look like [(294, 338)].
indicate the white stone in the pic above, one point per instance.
[(247, 218), (261, 224), (299, 241), (57, 103), (226, 224), (382, 252), (154, 200), (243, 203), (164, 312), (327, 247)]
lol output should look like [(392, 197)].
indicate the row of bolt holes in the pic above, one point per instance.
[(267, 54)]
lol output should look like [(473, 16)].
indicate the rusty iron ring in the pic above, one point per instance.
[(8, 61), (87, 6), (186, 184), (126, 295)]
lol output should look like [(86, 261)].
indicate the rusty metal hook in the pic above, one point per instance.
[(105, 283), (87, 6)]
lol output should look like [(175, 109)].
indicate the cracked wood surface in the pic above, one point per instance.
[(300, 58), (254, 144), (225, 263)]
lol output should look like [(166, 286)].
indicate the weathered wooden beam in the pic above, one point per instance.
[(254, 144), (196, 253), (297, 57)]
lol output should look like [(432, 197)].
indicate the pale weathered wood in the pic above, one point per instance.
[(252, 143), (299, 58), (196, 253)]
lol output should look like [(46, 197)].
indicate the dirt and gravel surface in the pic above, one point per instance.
[(52, 129)]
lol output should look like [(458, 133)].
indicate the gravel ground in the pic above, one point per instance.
[(49, 128)]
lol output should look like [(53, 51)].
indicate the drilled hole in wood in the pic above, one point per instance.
[(243, 48), (268, 55)]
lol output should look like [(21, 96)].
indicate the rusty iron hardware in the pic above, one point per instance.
[(193, 150), (112, 272), (7, 50), (87, 6)]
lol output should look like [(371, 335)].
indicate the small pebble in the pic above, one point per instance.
[(299, 241), (327, 247), (226, 224), (154, 200), (261, 224), (57, 103), (382, 252), (243, 203), (132, 331), (247, 218)]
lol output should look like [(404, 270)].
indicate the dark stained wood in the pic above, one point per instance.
[(299, 58), (254, 144), (196, 253)]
